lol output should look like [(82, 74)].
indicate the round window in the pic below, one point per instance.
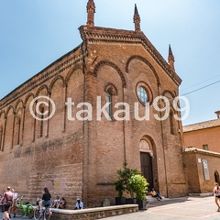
[(142, 94)]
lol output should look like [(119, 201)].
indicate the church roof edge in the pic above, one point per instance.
[(122, 35)]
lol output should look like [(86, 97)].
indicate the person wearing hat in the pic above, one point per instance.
[(7, 200)]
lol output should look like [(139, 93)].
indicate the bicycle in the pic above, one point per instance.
[(42, 213), (25, 208)]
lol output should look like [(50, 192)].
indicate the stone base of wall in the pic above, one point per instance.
[(92, 214), (201, 194)]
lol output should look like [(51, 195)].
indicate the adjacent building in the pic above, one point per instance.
[(202, 154)]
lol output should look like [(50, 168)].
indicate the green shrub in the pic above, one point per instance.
[(121, 185), (133, 182), (138, 185)]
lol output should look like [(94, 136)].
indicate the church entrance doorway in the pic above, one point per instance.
[(147, 168)]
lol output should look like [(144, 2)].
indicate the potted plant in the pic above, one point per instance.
[(122, 185), (119, 187), (138, 185)]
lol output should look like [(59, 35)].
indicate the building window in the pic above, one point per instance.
[(109, 100), (205, 147), (42, 122), (205, 166), (18, 130), (142, 94), (1, 135), (172, 123), (110, 91)]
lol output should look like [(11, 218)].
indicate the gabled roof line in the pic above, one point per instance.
[(120, 35)]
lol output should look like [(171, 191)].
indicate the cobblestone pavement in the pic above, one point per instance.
[(179, 209)]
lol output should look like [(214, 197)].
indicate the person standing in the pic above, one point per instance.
[(46, 201), (7, 201), (216, 192), (46, 198), (14, 201)]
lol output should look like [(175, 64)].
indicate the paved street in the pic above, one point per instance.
[(180, 209), (15, 218)]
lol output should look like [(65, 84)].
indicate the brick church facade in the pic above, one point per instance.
[(81, 158)]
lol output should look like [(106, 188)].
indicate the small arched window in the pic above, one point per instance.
[(1, 137), (111, 91), (18, 127), (172, 123), (109, 100), (17, 131), (42, 111)]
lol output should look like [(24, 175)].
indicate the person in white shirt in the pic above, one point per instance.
[(56, 203), (79, 204), (14, 201)]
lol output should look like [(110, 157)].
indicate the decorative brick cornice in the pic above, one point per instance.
[(100, 34), (65, 62)]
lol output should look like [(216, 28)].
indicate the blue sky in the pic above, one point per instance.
[(35, 33)]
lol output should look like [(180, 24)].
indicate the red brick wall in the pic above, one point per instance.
[(54, 160)]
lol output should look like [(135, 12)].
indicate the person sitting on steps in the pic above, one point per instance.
[(79, 204), (62, 203), (155, 194)]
